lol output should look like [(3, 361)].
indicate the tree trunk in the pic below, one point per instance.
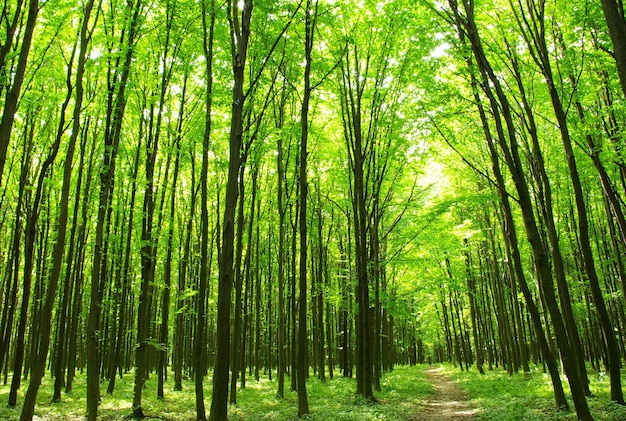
[(614, 16), (28, 270), (302, 366), (466, 27), (239, 44), (545, 202), (471, 290), (352, 93), (282, 363), (13, 269), (167, 276), (117, 106), (11, 100), (74, 333), (199, 365), (125, 281), (238, 284), (541, 55), (292, 297), (61, 228)]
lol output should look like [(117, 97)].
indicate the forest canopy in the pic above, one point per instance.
[(222, 189)]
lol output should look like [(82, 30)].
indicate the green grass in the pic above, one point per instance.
[(497, 395), (403, 391), (529, 397)]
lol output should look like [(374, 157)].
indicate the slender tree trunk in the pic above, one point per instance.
[(28, 270), (199, 366), (375, 271), (545, 202), (167, 276), (282, 363), (148, 263), (257, 324), (181, 300), (471, 290), (126, 279), (353, 93), (62, 339), (541, 54), (302, 366), (13, 269), (467, 28), (254, 205), (240, 32), (292, 299), (238, 284), (46, 316), (11, 100), (117, 106), (74, 333), (319, 293), (614, 16)]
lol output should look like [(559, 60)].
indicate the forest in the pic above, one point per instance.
[(203, 197)]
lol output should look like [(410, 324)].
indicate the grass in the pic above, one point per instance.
[(529, 397), (403, 391), (497, 395)]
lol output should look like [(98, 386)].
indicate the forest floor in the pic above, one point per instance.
[(418, 393), (449, 402)]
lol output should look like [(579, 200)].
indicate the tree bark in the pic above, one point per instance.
[(116, 108), (61, 228), (29, 265), (302, 366), (240, 32), (11, 100), (614, 16), (500, 108), (282, 363), (199, 366), (541, 55)]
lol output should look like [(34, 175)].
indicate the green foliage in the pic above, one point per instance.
[(529, 396), (403, 391)]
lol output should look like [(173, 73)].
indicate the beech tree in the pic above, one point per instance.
[(379, 182)]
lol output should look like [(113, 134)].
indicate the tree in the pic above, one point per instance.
[(12, 96), (354, 71), (239, 22), (118, 79), (61, 227), (536, 40), (614, 16), (199, 339), (302, 365), (510, 149)]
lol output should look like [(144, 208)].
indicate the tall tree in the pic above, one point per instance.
[(302, 364), (534, 32), (40, 358), (354, 79), (280, 168), (149, 238), (239, 17), (118, 81), (11, 100), (501, 109), (614, 16), (199, 335)]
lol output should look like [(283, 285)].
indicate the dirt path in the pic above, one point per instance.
[(449, 402)]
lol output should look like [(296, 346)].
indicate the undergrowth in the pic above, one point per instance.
[(335, 400), (497, 395), (529, 397)]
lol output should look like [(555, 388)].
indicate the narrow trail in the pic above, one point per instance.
[(449, 402)]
